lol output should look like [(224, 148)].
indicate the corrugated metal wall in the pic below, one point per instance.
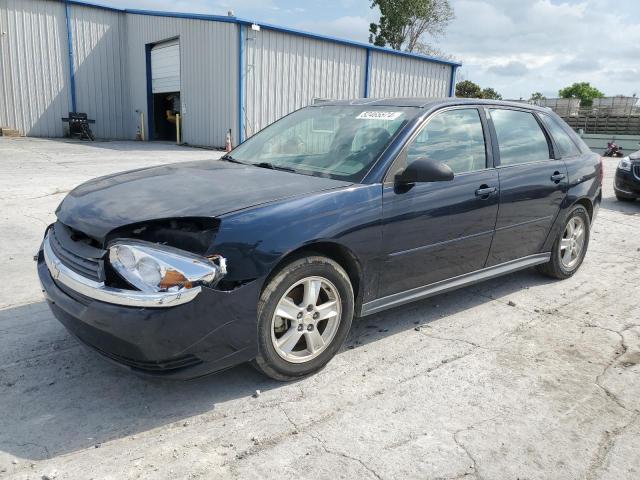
[(99, 48), (284, 72), (397, 76), (209, 73), (34, 67)]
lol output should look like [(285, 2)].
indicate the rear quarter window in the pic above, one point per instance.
[(565, 144)]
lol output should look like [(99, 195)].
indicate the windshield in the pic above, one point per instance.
[(335, 141)]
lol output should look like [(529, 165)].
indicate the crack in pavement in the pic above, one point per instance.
[(622, 349), (330, 451), (604, 449)]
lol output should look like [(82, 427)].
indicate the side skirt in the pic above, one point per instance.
[(443, 286)]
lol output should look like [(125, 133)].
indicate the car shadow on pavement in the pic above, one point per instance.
[(58, 397), (615, 205)]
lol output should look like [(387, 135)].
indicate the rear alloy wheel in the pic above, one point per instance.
[(570, 247), (304, 315)]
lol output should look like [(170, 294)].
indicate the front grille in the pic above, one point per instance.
[(636, 170), (75, 252)]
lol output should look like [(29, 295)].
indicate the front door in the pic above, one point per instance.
[(532, 185), (437, 230)]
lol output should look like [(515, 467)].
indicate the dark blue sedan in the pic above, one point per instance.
[(336, 211)]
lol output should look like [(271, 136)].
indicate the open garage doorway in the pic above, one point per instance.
[(164, 102)]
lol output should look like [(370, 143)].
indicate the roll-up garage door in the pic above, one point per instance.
[(165, 67)]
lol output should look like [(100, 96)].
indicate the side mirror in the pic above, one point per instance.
[(424, 170)]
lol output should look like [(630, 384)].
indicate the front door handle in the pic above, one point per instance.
[(558, 177), (485, 191)]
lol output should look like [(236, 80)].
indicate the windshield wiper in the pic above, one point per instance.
[(274, 167), (229, 158)]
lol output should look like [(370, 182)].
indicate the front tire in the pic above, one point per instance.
[(570, 247), (304, 316)]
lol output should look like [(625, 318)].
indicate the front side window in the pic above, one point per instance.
[(566, 146), (335, 141), (453, 137), (520, 138)]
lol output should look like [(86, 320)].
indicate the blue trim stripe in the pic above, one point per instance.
[(241, 85), (367, 74), (452, 82), (72, 74), (149, 88), (266, 26)]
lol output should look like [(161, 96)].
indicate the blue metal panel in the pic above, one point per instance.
[(72, 74), (367, 72), (452, 84), (241, 83)]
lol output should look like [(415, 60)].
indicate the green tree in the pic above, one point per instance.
[(582, 90), (535, 96), (468, 89), (403, 23), (490, 94)]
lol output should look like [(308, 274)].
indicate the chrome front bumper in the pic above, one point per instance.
[(98, 291)]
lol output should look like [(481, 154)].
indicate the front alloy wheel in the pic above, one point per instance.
[(304, 316), (306, 319)]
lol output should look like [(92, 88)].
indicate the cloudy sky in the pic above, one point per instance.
[(514, 46)]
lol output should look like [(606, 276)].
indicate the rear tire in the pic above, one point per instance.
[(570, 247), (304, 316)]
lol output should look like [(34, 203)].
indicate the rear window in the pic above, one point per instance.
[(566, 146), (520, 138)]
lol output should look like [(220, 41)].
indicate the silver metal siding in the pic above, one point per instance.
[(99, 38), (34, 68), (398, 76), (284, 72), (208, 73)]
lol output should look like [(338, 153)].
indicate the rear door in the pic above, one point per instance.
[(532, 184), (437, 230)]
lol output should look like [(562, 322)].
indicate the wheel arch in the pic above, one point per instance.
[(586, 203), (337, 252)]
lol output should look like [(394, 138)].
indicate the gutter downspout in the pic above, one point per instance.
[(72, 75), (452, 84), (241, 85)]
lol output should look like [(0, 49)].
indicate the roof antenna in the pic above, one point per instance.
[(230, 13)]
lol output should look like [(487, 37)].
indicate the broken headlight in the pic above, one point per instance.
[(153, 268)]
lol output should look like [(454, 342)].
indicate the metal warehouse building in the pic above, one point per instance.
[(218, 72)]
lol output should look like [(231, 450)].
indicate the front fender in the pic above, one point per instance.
[(255, 240)]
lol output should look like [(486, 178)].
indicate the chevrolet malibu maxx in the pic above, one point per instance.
[(336, 211)]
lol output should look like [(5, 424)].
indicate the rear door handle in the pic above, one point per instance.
[(485, 192), (558, 177)]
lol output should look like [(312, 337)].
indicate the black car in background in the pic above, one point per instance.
[(336, 211), (627, 180)]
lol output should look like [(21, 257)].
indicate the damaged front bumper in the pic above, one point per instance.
[(204, 331)]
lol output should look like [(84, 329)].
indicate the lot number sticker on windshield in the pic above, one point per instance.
[(378, 115)]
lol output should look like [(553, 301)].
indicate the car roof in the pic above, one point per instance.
[(419, 102)]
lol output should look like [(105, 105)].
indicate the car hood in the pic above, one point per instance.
[(194, 189), (635, 155)]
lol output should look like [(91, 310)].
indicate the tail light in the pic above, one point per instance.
[(601, 170)]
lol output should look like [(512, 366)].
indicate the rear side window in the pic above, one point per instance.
[(520, 138), (566, 146)]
